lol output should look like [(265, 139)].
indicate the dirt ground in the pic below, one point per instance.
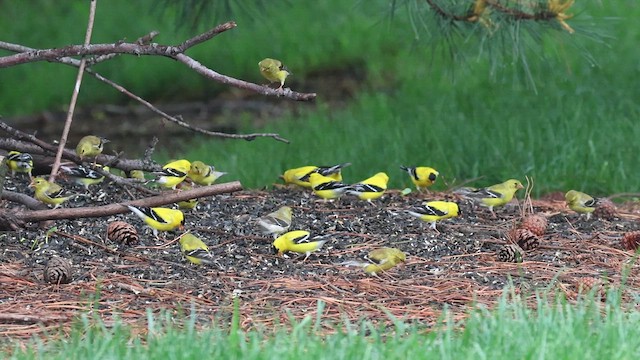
[(455, 267)]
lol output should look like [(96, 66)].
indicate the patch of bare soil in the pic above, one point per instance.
[(454, 267)]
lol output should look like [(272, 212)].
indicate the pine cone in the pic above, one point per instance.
[(605, 209), (58, 271), (631, 240), (122, 232), (525, 238), (510, 253), (586, 284), (537, 224)]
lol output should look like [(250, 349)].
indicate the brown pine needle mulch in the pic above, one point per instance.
[(455, 267)]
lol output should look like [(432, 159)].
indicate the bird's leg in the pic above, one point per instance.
[(306, 256)]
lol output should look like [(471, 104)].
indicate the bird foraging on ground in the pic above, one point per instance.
[(580, 202), (494, 195), (159, 218), (421, 176), (49, 193), (90, 146), (300, 176), (371, 188), (195, 250), (19, 163), (434, 211), (203, 174), (136, 174), (381, 259), (173, 173), (276, 222), (83, 175), (274, 71), (327, 188), (298, 241)]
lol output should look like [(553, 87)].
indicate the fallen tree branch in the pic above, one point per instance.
[(32, 319), (119, 208)]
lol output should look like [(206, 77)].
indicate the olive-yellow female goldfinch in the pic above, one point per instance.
[(371, 188), (494, 195), (381, 259), (203, 174), (300, 176), (48, 192), (159, 218), (83, 175), (580, 202), (90, 146), (433, 211), (327, 188), (276, 222), (19, 163), (421, 176), (195, 250), (297, 241), (274, 71), (173, 173)]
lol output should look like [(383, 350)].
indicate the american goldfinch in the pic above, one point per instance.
[(203, 174), (382, 259), (48, 192), (187, 204), (159, 218), (173, 173), (136, 174), (421, 176), (274, 71), (371, 188), (580, 202), (84, 176), (195, 250), (276, 222), (433, 211), (300, 176), (327, 188), (19, 163), (297, 241), (90, 146), (494, 195)]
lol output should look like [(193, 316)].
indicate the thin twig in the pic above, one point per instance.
[(74, 95)]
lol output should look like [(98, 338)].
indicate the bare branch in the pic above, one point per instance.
[(174, 52), (119, 208)]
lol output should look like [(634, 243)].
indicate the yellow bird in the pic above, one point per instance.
[(580, 202), (300, 176), (136, 174), (48, 192), (381, 259), (159, 218), (274, 71), (371, 188), (203, 174), (187, 204), (84, 176), (195, 250), (297, 241), (327, 188), (276, 222), (433, 211), (494, 195), (173, 173), (19, 163), (90, 146), (421, 176)]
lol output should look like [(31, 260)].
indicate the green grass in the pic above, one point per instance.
[(479, 117), (555, 330)]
